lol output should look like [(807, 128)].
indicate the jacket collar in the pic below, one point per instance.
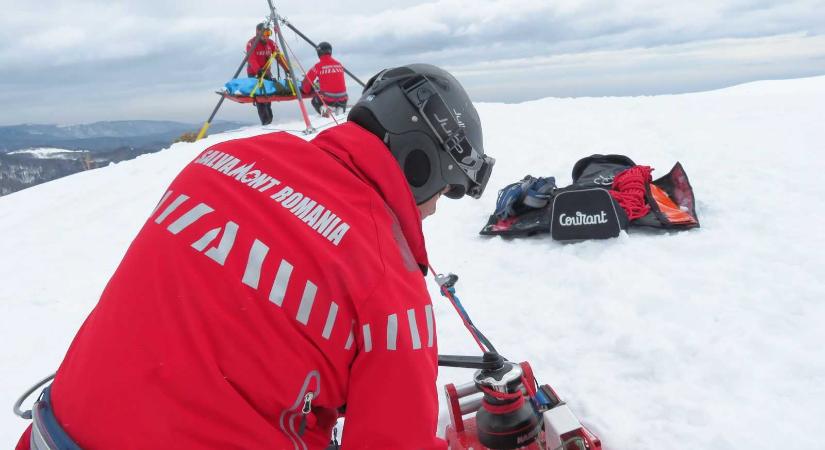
[(370, 160)]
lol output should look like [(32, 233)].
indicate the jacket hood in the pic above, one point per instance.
[(370, 160)]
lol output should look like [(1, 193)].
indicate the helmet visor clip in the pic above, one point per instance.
[(449, 130)]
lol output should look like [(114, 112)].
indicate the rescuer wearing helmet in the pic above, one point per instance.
[(256, 66), (276, 282), (326, 81)]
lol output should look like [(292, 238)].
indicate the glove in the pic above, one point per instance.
[(260, 73)]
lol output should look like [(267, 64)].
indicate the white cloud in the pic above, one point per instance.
[(586, 46), (665, 69)]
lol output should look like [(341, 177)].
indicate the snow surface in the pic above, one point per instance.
[(47, 152), (710, 338)]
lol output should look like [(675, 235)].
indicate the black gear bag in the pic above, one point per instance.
[(588, 208)]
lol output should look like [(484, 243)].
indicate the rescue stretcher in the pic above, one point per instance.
[(253, 90)]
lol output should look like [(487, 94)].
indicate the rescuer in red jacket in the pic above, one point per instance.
[(276, 282), (256, 65), (325, 80)]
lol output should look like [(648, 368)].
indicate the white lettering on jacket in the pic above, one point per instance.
[(313, 214), (331, 68), (582, 219)]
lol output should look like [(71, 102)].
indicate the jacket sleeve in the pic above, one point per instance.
[(392, 397), (306, 84)]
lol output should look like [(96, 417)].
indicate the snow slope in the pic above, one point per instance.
[(703, 339)]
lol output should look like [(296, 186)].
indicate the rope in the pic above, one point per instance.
[(629, 191), (264, 69), (319, 128), (288, 79), (461, 313), (317, 94), (506, 408), (483, 343), (502, 395), (297, 61)]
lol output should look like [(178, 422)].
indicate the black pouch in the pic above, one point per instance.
[(579, 214), (522, 208), (536, 221)]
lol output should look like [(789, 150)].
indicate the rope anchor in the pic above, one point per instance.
[(446, 280)]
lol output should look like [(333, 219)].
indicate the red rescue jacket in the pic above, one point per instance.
[(328, 73), (274, 274), (259, 57)]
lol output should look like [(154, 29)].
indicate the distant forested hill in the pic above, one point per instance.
[(34, 154)]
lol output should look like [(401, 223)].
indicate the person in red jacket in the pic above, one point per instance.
[(276, 283), (325, 80), (256, 66)]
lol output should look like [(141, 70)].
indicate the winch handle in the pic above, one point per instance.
[(19, 403), (490, 361)]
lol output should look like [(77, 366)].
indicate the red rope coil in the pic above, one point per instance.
[(629, 190)]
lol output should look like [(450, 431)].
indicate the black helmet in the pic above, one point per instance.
[(324, 48), (431, 127)]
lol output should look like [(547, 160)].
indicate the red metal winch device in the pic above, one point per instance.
[(504, 408), (504, 405)]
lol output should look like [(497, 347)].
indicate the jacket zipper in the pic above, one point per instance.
[(304, 412), (301, 407)]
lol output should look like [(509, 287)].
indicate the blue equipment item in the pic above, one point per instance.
[(239, 87), (530, 192)]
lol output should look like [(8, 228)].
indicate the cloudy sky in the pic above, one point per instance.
[(87, 60)]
